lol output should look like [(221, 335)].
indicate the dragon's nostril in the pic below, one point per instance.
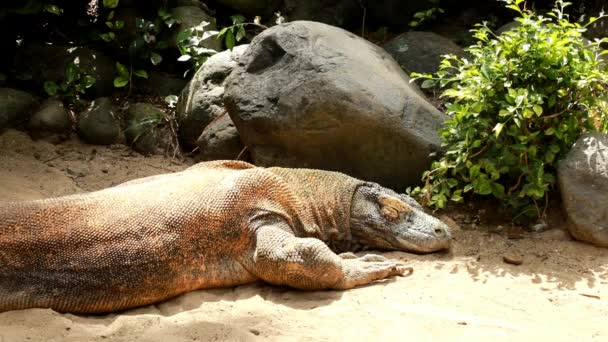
[(439, 232)]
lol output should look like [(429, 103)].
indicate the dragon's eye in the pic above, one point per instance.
[(390, 213), (391, 207)]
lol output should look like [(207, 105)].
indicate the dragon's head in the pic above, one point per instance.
[(384, 219)]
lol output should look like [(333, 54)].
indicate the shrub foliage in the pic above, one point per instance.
[(516, 106)]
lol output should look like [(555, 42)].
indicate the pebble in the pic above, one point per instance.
[(513, 259), (73, 171)]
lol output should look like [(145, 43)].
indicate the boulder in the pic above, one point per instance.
[(52, 119), (202, 100), (191, 16), (583, 182), (98, 124), (220, 140), (15, 107), (147, 131), (421, 52), (306, 94)]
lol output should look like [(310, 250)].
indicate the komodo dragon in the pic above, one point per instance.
[(215, 224)]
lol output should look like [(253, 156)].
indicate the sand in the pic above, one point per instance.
[(559, 293)]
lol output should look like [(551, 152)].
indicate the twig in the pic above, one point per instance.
[(479, 152), (511, 189), (590, 296), (363, 18), (241, 153)]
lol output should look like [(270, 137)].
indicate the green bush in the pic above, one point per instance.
[(516, 106)]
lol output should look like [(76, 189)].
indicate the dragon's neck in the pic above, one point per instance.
[(326, 197)]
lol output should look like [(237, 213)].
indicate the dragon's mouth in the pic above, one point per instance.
[(424, 243)]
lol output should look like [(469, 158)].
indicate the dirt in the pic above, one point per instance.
[(559, 291)]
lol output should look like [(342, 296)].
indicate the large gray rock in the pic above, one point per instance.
[(421, 52), (191, 16), (202, 100), (15, 107), (583, 181), (220, 140), (307, 94), (99, 124), (52, 119)]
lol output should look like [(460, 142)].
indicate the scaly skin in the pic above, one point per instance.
[(215, 224)]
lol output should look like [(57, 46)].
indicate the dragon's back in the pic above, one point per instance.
[(125, 246)]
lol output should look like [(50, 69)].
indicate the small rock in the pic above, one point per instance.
[(539, 227), (513, 259), (15, 107), (105, 170), (76, 172), (220, 140), (147, 132), (98, 124), (51, 120), (255, 332)]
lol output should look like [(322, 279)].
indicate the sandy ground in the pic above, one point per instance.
[(559, 293)]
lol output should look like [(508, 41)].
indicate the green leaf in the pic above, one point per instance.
[(110, 24), (120, 82), (427, 84), (155, 58), (89, 81), (222, 32), (119, 24), (484, 186), (110, 3), (498, 190), (53, 9), (71, 73), (141, 73), (538, 110), (498, 128), (230, 40), (237, 19), (240, 33), (51, 88), (140, 23), (106, 37), (184, 58), (122, 70)]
